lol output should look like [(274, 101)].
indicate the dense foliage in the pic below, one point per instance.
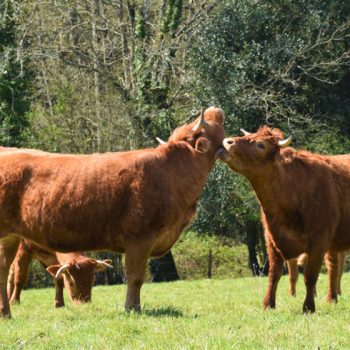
[(14, 80)]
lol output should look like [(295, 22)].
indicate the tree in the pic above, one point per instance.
[(14, 81)]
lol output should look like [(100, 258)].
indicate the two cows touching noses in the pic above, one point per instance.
[(138, 203)]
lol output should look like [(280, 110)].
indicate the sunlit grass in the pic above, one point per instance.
[(203, 314)]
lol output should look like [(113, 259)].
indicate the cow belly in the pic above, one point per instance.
[(164, 242), (289, 247), (341, 239)]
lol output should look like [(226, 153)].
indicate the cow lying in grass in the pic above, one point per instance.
[(305, 202), (334, 287), (136, 202), (74, 270)]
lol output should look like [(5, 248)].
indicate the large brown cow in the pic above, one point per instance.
[(305, 202), (137, 202), (76, 269)]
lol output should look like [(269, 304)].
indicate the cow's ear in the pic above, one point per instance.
[(202, 145), (52, 269)]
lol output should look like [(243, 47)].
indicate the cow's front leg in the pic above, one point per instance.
[(136, 258), (275, 271), (311, 271), (8, 250), (59, 284)]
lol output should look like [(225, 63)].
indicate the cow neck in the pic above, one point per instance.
[(191, 168), (271, 189)]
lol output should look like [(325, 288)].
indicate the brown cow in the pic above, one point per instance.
[(76, 269), (293, 272), (137, 202), (305, 202)]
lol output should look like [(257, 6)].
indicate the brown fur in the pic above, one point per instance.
[(78, 278), (136, 202), (305, 202)]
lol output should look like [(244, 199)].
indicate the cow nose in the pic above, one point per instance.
[(228, 143)]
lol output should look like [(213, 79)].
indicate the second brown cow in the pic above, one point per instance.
[(305, 203)]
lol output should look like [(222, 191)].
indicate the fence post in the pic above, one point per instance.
[(210, 263)]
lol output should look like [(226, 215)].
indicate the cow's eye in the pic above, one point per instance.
[(260, 145)]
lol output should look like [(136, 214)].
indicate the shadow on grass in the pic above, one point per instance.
[(168, 311)]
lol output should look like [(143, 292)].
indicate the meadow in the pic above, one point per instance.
[(201, 314)]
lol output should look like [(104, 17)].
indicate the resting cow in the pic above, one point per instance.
[(301, 261), (75, 270), (137, 202), (305, 202)]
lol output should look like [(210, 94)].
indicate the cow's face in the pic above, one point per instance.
[(253, 153), (78, 275), (205, 134)]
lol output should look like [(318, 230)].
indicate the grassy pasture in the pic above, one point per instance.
[(202, 314)]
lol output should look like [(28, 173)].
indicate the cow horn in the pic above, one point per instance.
[(285, 143), (61, 270), (161, 141), (201, 123), (104, 263), (245, 133)]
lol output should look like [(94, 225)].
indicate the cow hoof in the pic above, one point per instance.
[(57, 304), (5, 315), (133, 308), (309, 309), (332, 300), (269, 306), (14, 302), (292, 293)]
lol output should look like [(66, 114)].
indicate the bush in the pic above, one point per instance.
[(191, 254)]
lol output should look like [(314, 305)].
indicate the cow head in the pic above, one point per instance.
[(205, 134), (78, 275), (253, 152)]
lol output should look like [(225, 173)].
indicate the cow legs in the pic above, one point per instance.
[(11, 281), (59, 300), (332, 264), (135, 264), (341, 264), (275, 271), (8, 250), (293, 275), (311, 272), (19, 274)]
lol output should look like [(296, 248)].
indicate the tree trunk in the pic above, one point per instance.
[(164, 269), (252, 242)]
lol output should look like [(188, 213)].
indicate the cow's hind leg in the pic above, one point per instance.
[(311, 271), (275, 271), (135, 264), (293, 275), (11, 281), (8, 250), (332, 264), (341, 264)]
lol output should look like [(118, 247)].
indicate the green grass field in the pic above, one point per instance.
[(203, 314)]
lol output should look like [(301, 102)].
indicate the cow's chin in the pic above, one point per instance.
[(223, 155)]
